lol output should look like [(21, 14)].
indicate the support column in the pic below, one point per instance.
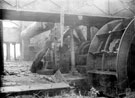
[(1, 52), (8, 51), (88, 33), (62, 25), (20, 51), (73, 69), (14, 51), (57, 57), (4, 51)]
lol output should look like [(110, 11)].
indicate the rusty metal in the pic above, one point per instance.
[(109, 52), (123, 52)]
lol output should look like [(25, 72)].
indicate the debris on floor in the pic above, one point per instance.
[(18, 78)]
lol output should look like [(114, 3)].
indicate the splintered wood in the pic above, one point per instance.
[(19, 78), (34, 87)]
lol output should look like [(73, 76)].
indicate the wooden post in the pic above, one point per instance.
[(14, 51), (134, 22), (8, 51), (21, 41), (55, 54), (73, 69), (4, 51), (88, 33), (1, 52), (17, 4), (62, 24), (20, 58)]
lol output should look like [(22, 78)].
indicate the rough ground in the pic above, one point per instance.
[(17, 74)]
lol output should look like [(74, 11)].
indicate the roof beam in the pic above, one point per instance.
[(70, 19)]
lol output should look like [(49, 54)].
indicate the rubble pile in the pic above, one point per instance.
[(17, 73)]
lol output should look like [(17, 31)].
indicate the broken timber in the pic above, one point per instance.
[(12, 89)]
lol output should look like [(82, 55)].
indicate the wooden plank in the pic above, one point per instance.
[(102, 72), (50, 86), (29, 15), (70, 77), (70, 18), (75, 78)]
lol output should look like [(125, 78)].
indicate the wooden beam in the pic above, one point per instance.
[(29, 16), (70, 18), (11, 89), (102, 72)]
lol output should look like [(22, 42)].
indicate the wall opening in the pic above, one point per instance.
[(12, 51)]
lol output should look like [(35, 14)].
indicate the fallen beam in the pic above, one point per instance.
[(13, 89)]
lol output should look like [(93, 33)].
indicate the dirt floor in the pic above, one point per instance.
[(19, 78), (18, 73)]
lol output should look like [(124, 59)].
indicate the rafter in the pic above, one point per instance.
[(7, 3), (29, 3)]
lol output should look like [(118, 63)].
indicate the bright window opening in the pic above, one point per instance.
[(5, 51), (12, 57), (18, 52)]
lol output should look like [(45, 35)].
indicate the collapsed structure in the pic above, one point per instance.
[(102, 55), (107, 59)]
